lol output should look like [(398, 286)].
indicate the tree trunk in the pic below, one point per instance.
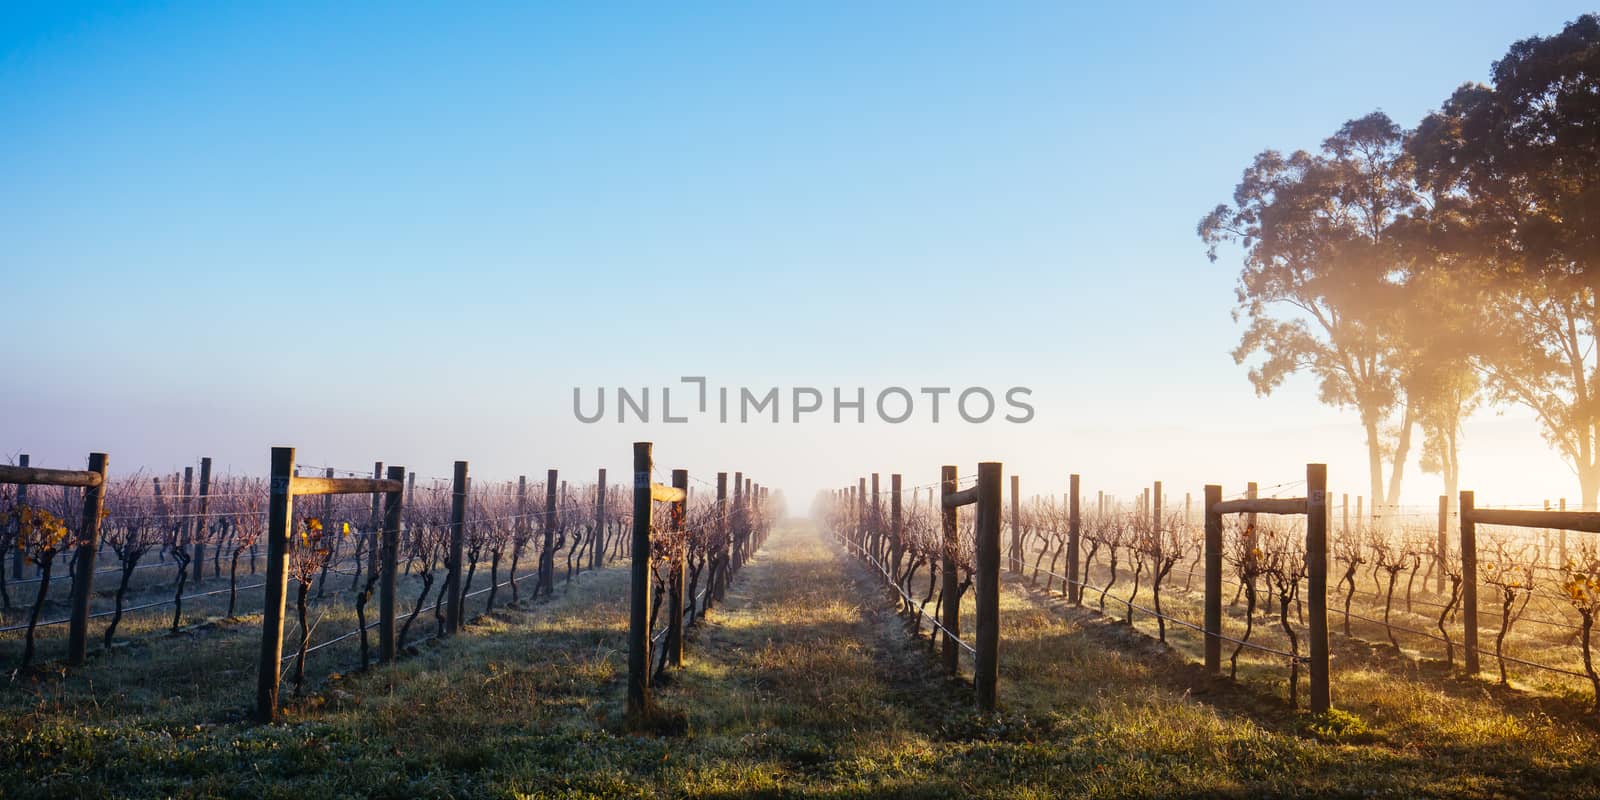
[(122, 593), (233, 581), (1402, 451), (1589, 484), (181, 555), (305, 638), (38, 605), (1369, 421)]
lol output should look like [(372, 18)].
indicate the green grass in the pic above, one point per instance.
[(806, 684)]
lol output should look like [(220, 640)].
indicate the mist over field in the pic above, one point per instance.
[(809, 400)]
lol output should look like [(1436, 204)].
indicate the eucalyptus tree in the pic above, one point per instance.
[(1520, 159), (1322, 280)]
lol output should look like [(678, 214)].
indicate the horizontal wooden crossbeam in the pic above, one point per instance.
[(1261, 505), (38, 476), (667, 494), (313, 485), (1557, 520), (966, 497)]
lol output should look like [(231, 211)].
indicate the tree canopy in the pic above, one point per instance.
[(1410, 271)]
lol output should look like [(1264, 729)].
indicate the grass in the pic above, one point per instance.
[(805, 684)]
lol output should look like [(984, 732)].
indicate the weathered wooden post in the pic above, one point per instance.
[(676, 574), (547, 556), (951, 610), (896, 527), (1213, 591), (327, 499), (375, 541), (83, 573), (600, 520), (389, 542), (1317, 582), (1444, 542), (280, 510), (458, 517), (1561, 540), (1155, 516), (1250, 493), (724, 555), (1074, 534), (861, 516), (17, 558), (987, 676), (639, 587), (1344, 511), (1544, 540), (877, 520), (200, 521), (1016, 525), (738, 522), (186, 510), (1469, 583)]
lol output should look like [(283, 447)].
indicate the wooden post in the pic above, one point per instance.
[(1155, 514), (1444, 542), (521, 533), (725, 536), (896, 527), (1344, 510), (1016, 525), (1074, 534), (280, 510), (458, 517), (375, 540), (185, 502), (200, 521), (947, 571), (17, 558), (1469, 583), (1250, 492), (1544, 541), (389, 543), (600, 520), (547, 556), (877, 520), (861, 514), (327, 500), (1561, 541), (1317, 582), (83, 574), (1213, 593), (738, 522), (676, 574), (639, 587), (987, 530)]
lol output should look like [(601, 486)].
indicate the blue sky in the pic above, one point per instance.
[(405, 231)]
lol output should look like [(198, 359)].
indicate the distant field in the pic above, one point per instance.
[(806, 683)]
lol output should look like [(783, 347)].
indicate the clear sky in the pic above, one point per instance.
[(406, 231)]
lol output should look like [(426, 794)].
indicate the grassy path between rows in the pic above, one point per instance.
[(806, 683)]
